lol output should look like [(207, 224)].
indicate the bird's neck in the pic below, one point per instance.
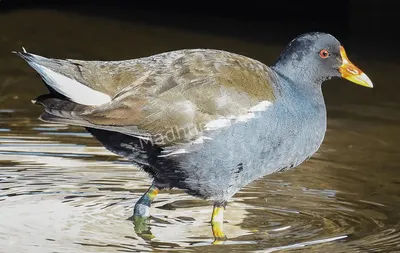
[(298, 74), (300, 88)]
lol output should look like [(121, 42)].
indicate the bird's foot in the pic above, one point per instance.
[(219, 235), (141, 213), (142, 227), (217, 220)]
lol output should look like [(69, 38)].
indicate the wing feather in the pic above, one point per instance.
[(173, 96)]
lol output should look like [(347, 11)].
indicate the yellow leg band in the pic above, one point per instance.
[(142, 206)]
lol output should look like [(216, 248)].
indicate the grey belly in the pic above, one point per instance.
[(247, 152)]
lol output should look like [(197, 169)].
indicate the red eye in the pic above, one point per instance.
[(324, 53)]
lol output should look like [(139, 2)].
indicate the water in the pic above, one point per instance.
[(60, 191)]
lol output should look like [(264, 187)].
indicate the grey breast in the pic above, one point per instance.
[(281, 137)]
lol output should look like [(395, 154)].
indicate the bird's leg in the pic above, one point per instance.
[(142, 206), (217, 220), (141, 212)]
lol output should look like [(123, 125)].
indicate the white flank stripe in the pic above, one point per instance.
[(246, 117), (227, 121), (218, 123), (201, 139), (74, 90), (176, 152), (262, 106)]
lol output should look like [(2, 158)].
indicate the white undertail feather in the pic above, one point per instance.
[(72, 89)]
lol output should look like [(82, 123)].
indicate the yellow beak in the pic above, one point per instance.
[(352, 73)]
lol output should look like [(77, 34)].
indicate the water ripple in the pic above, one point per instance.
[(61, 191)]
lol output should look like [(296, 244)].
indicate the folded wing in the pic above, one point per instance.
[(174, 97)]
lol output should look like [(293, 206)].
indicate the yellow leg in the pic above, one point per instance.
[(217, 220)]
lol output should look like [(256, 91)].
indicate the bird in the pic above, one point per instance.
[(207, 121)]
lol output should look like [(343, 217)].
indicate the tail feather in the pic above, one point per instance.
[(69, 101), (60, 110), (49, 70), (59, 107), (47, 117)]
